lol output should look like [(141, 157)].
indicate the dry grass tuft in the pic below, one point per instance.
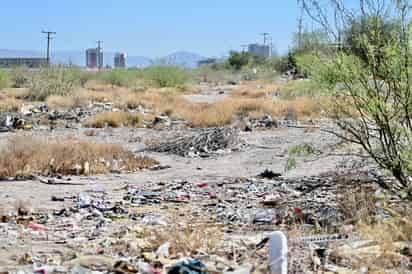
[(114, 119), (189, 240), (23, 155), (223, 112), (10, 104), (254, 90), (390, 238), (57, 101), (390, 249)]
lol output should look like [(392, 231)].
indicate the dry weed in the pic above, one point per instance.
[(114, 119), (57, 101), (254, 90), (390, 237), (10, 104), (23, 155), (223, 112), (189, 239), (357, 204)]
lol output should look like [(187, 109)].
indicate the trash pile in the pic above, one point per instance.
[(214, 226), (199, 142)]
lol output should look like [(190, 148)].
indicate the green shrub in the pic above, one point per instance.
[(4, 79), (302, 150), (299, 150), (81, 75), (280, 64), (166, 76), (19, 76), (301, 87), (51, 81), (118, 77), (373, 105)]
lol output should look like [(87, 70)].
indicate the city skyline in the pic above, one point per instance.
[(150, 29)]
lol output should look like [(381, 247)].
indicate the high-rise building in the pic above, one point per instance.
[(120, 60), (260, 50), (94, 58)]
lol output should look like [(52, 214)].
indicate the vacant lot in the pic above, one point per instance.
[(119, 175)]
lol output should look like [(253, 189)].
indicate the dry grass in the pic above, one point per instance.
[(10, 104), (56, 101), (223, 112), (247, 100), (390, 251), (17, 93), (114, 119), (189, 239), (254, 90), (390, 238), (23, 155)]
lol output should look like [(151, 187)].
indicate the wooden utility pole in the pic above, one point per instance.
[(49, 38)]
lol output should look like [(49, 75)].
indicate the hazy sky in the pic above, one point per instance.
[(148, 28)]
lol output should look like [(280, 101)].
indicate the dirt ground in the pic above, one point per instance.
[(224, 191), (264, 150)]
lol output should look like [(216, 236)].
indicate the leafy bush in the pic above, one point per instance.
[(281, 64), (373, 104), (166, 76), (239, 60), (375, 30), (51, 81), (81, 75), (299, 150), (301, 87), (4, 79), (118, 77)]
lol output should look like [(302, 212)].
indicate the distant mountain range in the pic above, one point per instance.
[(180, 58)]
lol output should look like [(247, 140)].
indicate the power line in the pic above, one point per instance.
[(49, 38)]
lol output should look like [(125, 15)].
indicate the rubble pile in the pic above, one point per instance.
[(200, 142)]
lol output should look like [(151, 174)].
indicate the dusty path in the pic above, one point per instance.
[(209, 94)]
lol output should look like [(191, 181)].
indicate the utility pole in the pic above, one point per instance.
[(49, 38), (99, 54), (300, 23), (271, 47), (265, 36)]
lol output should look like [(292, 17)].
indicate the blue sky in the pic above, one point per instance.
[(148, 28)]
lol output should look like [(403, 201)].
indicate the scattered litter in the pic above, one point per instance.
[(269, 174)]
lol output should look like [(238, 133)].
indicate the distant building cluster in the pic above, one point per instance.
[(120, 60), (264, 51), (94, 58), (26, 62)]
